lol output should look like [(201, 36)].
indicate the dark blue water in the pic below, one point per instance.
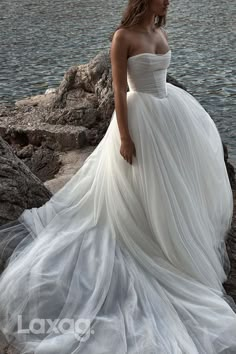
[(40, 40)]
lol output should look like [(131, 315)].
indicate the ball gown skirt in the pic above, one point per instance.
[(130, 258)]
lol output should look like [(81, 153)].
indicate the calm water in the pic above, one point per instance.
[(41, 39)]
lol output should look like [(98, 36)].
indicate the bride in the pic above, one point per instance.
[(129, 256)]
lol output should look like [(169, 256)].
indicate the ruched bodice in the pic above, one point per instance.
[(147, 73)]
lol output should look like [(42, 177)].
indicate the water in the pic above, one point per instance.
[(41, 40)]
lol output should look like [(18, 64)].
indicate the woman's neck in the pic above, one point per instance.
[(148, 24)]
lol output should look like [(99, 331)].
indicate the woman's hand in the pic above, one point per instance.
[(127, 149)]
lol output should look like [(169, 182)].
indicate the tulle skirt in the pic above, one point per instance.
[(129, 258)]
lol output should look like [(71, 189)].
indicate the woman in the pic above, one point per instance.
[(129, 256)]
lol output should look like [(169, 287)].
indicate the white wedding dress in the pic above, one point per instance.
[(130, 258)]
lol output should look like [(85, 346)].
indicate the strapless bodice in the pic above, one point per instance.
[(147, 72)]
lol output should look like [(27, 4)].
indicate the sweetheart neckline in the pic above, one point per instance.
[(156, 54)]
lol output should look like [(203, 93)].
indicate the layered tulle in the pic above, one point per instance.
[(129, 258)]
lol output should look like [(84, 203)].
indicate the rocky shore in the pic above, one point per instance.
[(45, 139)]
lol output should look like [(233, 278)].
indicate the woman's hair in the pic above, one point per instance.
[(134, 13)]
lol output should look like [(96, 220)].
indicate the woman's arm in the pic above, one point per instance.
[(119, 55)]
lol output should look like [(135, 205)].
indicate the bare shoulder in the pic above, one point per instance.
[(121, 36), (120, 43)]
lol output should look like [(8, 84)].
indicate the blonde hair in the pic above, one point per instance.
[(134, 13)]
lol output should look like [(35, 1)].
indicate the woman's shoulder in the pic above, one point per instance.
[(120, 41), (122, 38), (122, 33)]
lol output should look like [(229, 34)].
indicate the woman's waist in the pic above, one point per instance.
[(158, 91)]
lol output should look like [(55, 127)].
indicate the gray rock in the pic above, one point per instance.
[(57, 137), (230, 284), (43, 163), (230, 168), (19, 187)]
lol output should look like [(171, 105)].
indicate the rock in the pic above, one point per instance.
[(26, 152), (57, 137), (71, 162), (43, 100), (50, 90), (230, 284), (230, 168), (43, 163), (39, 148), (19, 187)]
